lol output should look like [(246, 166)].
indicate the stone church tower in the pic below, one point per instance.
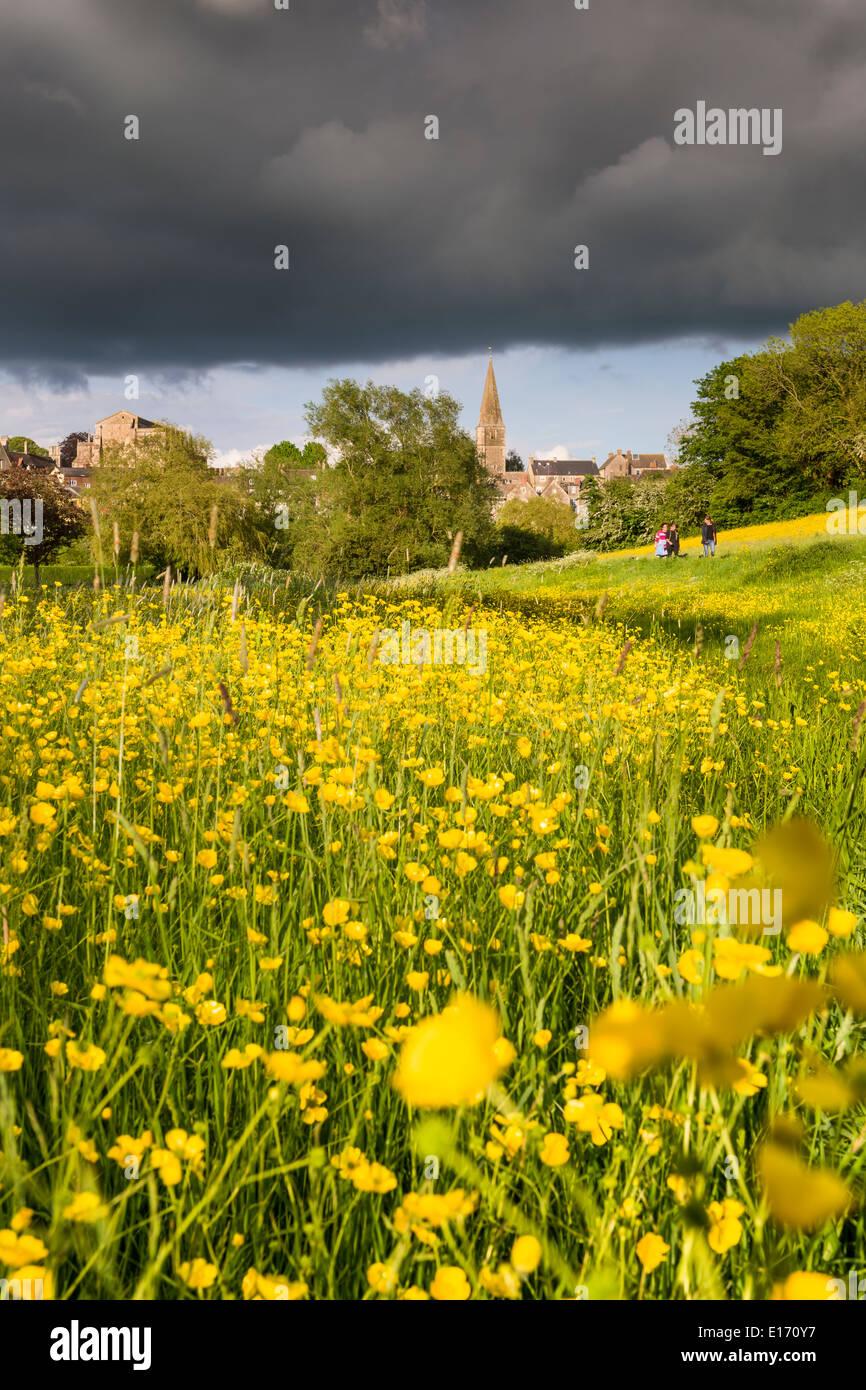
[(490, 434)]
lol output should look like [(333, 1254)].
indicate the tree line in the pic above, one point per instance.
[(388, 477)]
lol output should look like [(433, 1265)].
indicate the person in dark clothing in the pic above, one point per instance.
[(673, 540), (708, 536)]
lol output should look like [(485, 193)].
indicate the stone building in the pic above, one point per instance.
[(123, 428), (628, 465), (558, 480), (561, 480), (490, 434)]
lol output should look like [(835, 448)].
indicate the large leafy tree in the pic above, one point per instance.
[(687, 496), (165, 490), (820, 377), (284, 488), (22, 444), (288, 457), (39, 517), (538, 529), (623, 512), (406, 479), (782, 427)]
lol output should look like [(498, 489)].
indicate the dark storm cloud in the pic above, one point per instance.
[(306, 127)]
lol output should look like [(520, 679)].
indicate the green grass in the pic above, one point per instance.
[(808, 594), (69, 576), (236, 734)]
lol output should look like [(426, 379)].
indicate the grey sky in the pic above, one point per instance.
[(306, 127)]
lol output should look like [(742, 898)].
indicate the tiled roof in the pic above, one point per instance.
[(29, 460), (564, 468)]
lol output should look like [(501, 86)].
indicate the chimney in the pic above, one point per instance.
[(4, 440)]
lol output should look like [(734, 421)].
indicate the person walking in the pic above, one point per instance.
[(661, 541), (673, 540), (708, 536)]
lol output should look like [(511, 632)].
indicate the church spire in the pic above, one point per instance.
[(490, 434), (491, 413)]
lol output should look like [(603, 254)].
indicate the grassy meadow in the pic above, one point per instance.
[(328, 978)]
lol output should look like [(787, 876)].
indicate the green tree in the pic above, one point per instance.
[(783, 426), (290, 458), (629, 511), (284, 488), (38, 517), (184, 515), (820, 376), (736, 436), (687, 496), (405, 480), (21, 444), (542, 514), (538, 529)]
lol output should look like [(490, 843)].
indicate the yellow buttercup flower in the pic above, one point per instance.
[(803, 1287), (652, 1251), (807, 937), (336, 912), (840, 923), (210, 1013), (705, 826), (35, 1282), (450, 1059), (526, 1254), (725, 1227), (511, 897), (86, 1206), (198, 1273), (88, 1058), (20, 1249), (798, 1196), (450, 1285), (554, 1150)]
